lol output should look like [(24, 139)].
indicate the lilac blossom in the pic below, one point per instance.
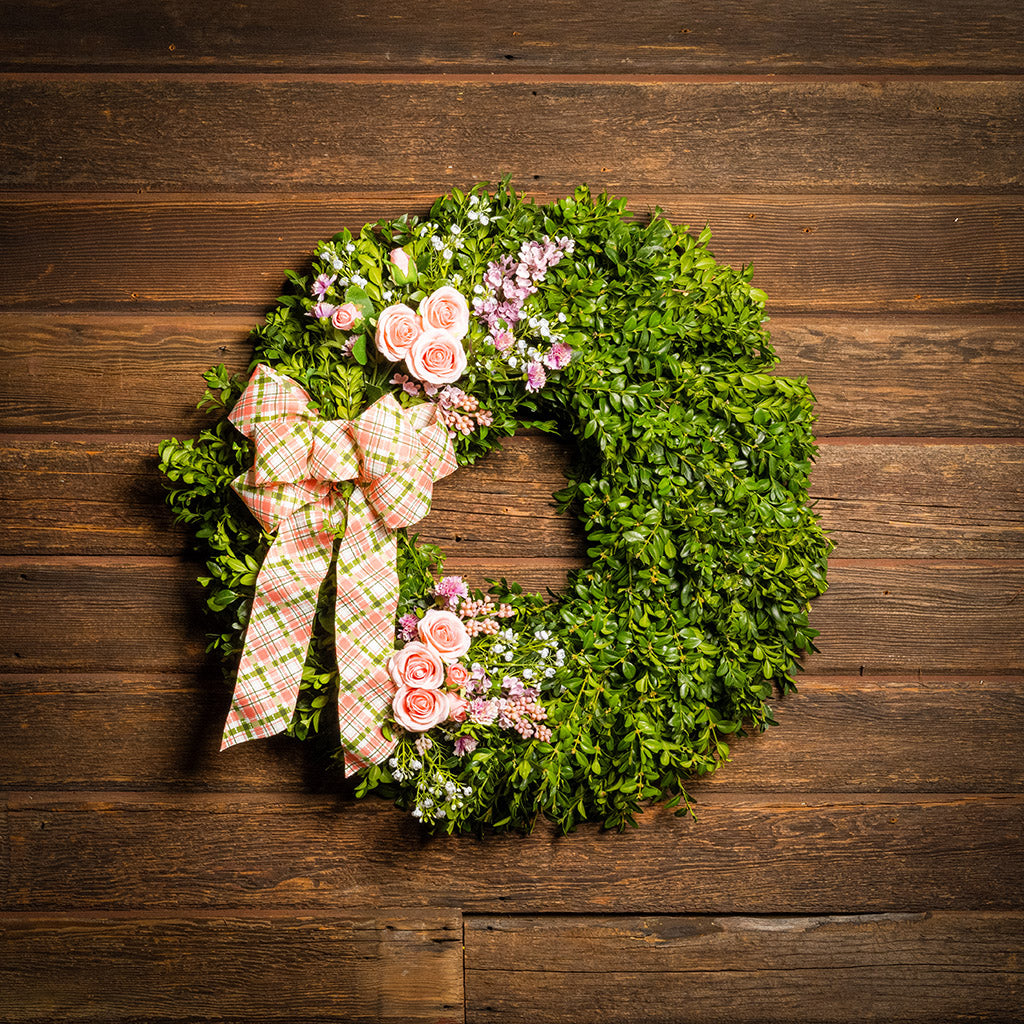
[(408, 386)]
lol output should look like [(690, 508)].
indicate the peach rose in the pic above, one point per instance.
[(458, 708), (417, 665), (458, 675), (417, 709), (400, 258), (445, 634), (344, 317), (397, 328), (446, 309), (436, 357)]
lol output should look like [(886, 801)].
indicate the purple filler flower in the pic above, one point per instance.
[(408, 627), (321, 284), (465, 745), (452, 586), (321, 311)]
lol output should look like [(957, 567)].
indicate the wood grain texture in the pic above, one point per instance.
[(837, 735), (348, 966), (745, 854), (146, 614), (389, 37), (255, 134), (103, 495), (140, 373), (894, 967), (950, 255)]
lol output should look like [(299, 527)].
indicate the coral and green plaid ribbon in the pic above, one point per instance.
[(393, 456)]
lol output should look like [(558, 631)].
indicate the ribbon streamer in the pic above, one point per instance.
[(393, 456)]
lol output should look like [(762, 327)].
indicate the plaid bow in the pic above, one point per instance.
[(393, 456)]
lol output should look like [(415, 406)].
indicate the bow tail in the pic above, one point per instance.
[(279, 630), (367, 601)]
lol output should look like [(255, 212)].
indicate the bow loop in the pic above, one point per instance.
[(386, 439)]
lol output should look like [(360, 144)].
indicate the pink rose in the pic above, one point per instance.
[(417, 709), (397, 328), (345, 316), (400, 258), (446, 309), (458, 708), (436, 357), (458, 676), (445, 634), (416, 665)]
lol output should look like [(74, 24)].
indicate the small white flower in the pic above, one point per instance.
[(388, 295), (513, 362), (508, 656), (478, 289), (527, 673), (415, 764), (548, 673), (417, 813), (441, 813), (336, 263), (455, 229), (427, 803), (473, 200), (447, 254), (499, 648), (484, 219), (436, 242), (449, 788), (472, 215), (393, 762), (350, 247), (561, 318), (467, 790)]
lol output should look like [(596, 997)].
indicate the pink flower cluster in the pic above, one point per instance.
[(461, 413), (520, 711), (429, 338), (512, 280), (482, 616)]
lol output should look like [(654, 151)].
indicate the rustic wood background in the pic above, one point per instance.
[(164, 161)]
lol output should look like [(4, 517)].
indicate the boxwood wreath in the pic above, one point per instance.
[(624, 337)]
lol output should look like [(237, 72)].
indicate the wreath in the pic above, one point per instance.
[(415, 347)]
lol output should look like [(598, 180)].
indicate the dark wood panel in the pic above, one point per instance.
[(889, 376), (140, 373), (807, 854), (565, 36), (351, 966), (145, 615), (837, 735), (922, 500), (893, 967), (103, 495), (949, 255), (259, 134)]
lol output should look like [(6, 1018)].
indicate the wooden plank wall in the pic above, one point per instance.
[(162, 163)]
